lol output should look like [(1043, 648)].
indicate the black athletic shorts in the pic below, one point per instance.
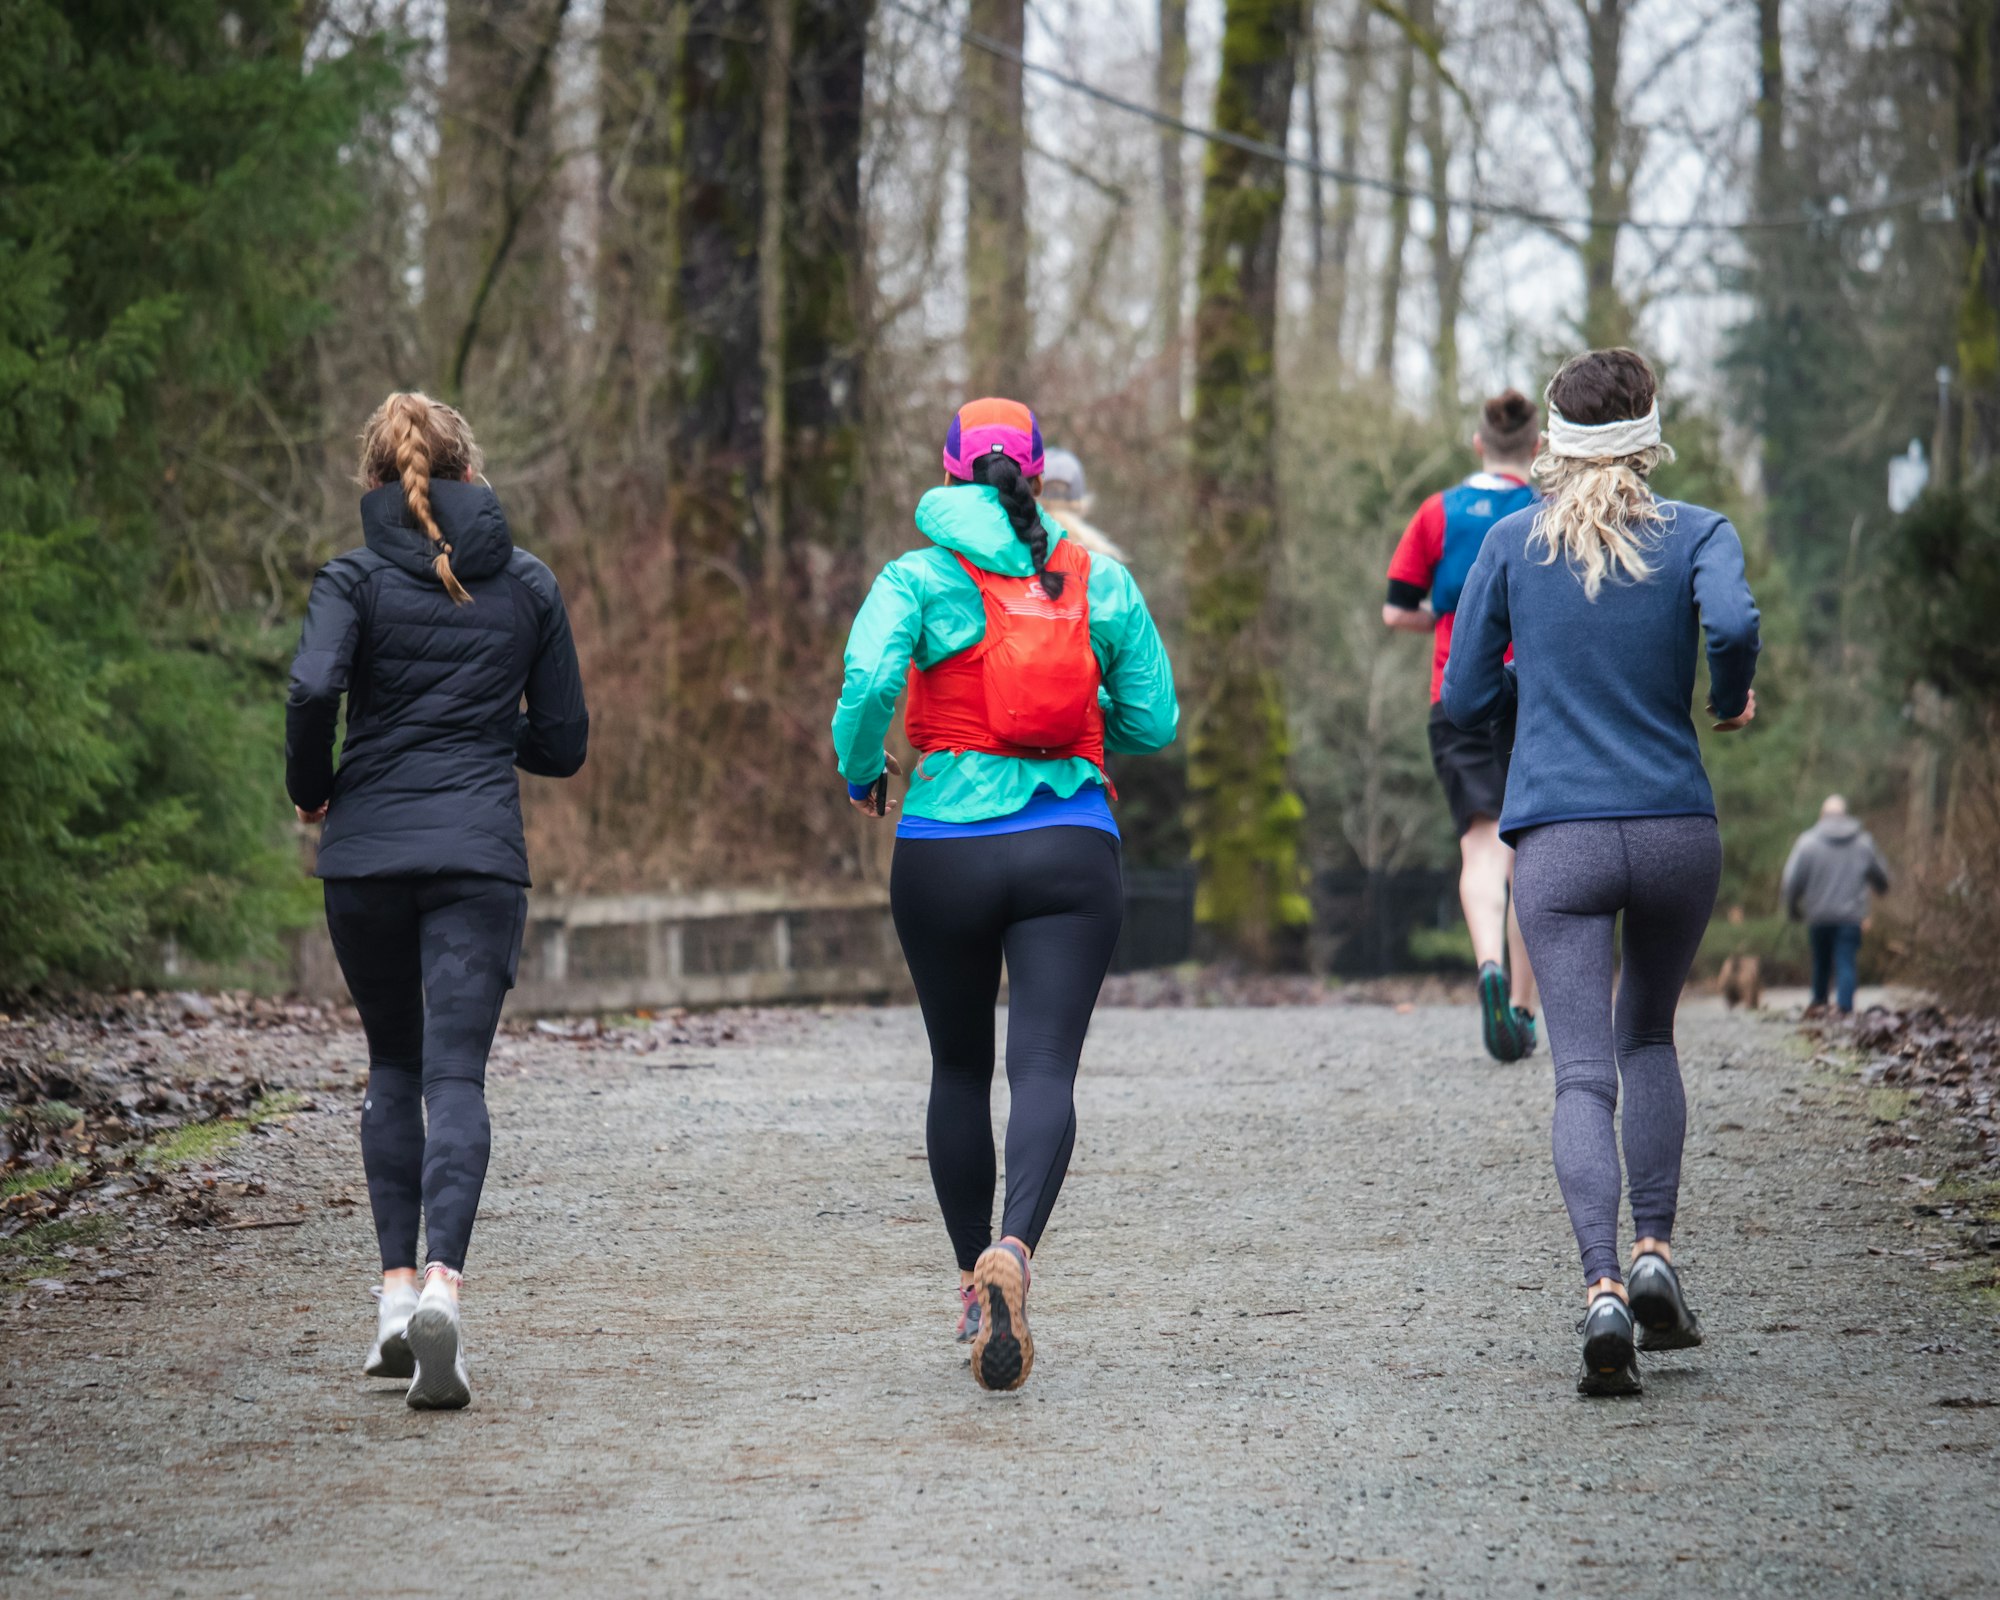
[(1471, 766)]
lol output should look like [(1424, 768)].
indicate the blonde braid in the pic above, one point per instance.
[(410, 439)]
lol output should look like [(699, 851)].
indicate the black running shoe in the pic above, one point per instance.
[(1610, 1364), (1657, 1303), (1497, 1018), (1525, 1021)]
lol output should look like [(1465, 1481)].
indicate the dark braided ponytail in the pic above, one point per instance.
[(1003, 473)]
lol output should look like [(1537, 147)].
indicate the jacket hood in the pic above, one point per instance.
[(468, 515), (1838, 830), (967, 518)]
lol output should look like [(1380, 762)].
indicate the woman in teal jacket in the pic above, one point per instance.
[(1007, 846)]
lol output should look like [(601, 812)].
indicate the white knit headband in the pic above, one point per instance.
[(1602, 441)]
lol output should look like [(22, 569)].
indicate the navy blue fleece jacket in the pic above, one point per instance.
[(1603, 690)]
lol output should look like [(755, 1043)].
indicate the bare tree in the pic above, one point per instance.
[(492, 256), (1607, 320)]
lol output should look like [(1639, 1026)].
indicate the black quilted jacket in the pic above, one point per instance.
[(435, 725)]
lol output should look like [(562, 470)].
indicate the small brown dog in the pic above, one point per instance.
[(1742, 975), (1743, 981)]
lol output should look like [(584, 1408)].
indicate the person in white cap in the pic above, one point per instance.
[(1066, 497)]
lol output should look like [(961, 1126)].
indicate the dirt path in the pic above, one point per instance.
[(1304, 1327)]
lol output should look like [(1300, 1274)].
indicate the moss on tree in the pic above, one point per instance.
[(1243, 817)]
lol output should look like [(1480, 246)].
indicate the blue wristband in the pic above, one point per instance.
[(860, 791)]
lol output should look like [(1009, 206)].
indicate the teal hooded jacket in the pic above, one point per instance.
[(923, 609)]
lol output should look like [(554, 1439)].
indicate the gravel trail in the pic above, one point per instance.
[(1303, 1324)]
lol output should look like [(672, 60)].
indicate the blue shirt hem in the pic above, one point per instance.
[(1089, 807)]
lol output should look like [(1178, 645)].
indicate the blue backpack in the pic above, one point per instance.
[(1469, 514)]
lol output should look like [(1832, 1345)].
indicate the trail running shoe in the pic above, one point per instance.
[(441, 1382), (1610, 1364), (1659, 1307), (389, 1356), (1524, 1021), (968, 1314), (1497, 1016), (1003, 1351)]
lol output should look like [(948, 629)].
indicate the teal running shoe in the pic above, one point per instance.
[(1497, 1016)]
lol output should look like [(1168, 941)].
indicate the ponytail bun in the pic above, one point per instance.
[(1508, 425)]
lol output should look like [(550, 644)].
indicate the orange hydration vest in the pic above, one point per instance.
[(1029, 688)]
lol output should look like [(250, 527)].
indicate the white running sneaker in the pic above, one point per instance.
[(389, 1356), (441, 1383)]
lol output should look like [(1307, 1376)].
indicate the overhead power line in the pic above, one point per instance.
[(1810, 215)]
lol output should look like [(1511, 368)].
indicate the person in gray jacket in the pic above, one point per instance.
[(1827, 878)]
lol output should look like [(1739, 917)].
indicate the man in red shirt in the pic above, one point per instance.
[(1426, 574)]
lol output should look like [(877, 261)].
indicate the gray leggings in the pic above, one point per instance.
[(1571, 881)]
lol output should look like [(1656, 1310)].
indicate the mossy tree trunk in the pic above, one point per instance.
[(996, 195), (1243, 817)]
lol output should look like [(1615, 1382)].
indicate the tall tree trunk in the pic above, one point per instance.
[(996, 213), (638, 66), (1242, 816), (716, 358), (1978, 134), (825, 248), (773, 151), (1170, 93), (1771, 250), (1353, 95), (1607, 320), (1315, 185), (492, 258), (1399, 207), (1447, 266)]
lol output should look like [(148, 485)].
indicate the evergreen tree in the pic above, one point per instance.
[(170, 177)]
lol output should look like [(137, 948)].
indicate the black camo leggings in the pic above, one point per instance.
[(1050, 900), (428, 961)]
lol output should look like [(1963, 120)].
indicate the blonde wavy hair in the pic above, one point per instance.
[(412, 439), (1601, 514)]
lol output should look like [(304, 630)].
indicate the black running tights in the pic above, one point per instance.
[(428, 961), (1050, 901)]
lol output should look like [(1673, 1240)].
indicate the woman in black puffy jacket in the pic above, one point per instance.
[(437, 631)]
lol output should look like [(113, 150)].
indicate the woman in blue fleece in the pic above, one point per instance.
[(1605, 593)]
